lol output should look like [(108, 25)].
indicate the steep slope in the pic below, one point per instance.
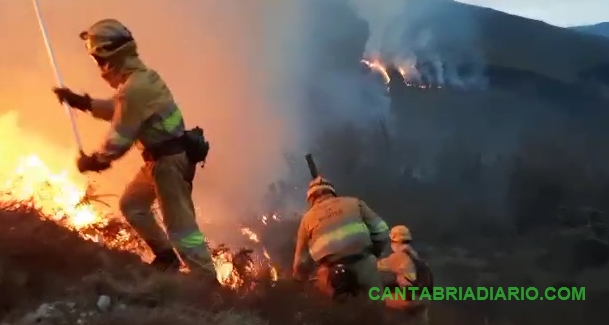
[(41, 262)]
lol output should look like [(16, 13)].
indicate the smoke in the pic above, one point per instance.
[(328, 43), (222, 61), (262, 78), (412, 34), (321, 44)]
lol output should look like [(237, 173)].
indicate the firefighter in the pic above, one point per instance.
[(403, 264), (343, 237), (143, 112)]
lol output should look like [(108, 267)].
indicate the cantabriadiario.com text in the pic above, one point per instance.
[(479, 293)]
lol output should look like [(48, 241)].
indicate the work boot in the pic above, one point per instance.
[(166, 260), (202, 266)]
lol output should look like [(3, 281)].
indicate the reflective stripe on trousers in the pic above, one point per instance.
[(191, 241)]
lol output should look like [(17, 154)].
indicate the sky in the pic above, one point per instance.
[(562, 13)]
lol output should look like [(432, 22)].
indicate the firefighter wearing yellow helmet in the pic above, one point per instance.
[(343, 237), (143, 111), (403, 264)]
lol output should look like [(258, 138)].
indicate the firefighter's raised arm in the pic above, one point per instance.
[(100, 108)]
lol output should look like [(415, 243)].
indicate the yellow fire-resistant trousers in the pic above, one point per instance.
[(169, 180)]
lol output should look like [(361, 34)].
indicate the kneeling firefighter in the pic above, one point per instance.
[(143, 111), (343, 237), (409, 270)]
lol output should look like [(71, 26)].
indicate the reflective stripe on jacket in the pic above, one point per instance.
[(337, 226), (144, 112)]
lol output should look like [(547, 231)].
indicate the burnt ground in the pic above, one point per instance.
[(41, 262)]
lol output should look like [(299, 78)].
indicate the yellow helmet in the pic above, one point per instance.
[(108, 37), (317, 185), (400, 234)]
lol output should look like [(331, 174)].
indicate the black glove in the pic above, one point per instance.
[(91, 163), (81, 102)]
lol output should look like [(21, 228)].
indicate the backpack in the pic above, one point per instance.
[(424, 274)]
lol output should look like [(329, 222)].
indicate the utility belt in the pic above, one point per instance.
[(164, 148), (330, 261), (192, 142)]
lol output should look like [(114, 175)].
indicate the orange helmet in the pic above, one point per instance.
[(317, 185), (400, 234)]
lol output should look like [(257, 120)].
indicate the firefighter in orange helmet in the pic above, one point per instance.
[(143, 112), (343, 237), (403, 264)]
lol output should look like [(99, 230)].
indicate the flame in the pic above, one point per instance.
[(265, 218), (59, 198), (405, 70), (61, 195), (378, 67), (250, 234), (35, 185), (227, 272), (236, 270), (30, 177), (274, 275)]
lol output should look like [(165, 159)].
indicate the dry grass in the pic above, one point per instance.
[(42, 262)]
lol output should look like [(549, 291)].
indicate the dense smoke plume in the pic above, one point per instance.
[(412, 34)]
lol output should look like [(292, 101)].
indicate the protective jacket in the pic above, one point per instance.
[(400, 263), (144, 112), (335, 228)]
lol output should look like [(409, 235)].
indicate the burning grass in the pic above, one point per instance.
[(30, 185), (41, 261), (57, 245)]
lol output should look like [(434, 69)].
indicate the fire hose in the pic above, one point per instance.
[(55, 68)]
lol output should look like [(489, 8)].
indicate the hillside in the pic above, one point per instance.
[(509, 41), (600, 29), (50, 275)]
